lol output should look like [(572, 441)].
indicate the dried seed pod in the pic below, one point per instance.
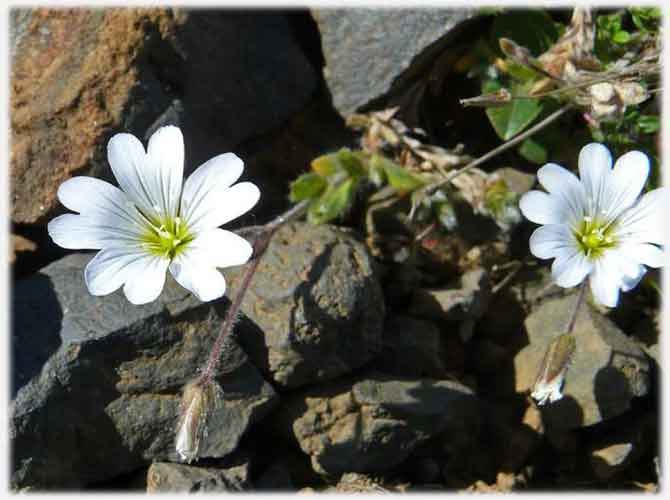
[(552, 370)]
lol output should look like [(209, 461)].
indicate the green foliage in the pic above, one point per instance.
[(646, 19), (335, 177), (401, 179), (502, 203), (610, 36), (309, 185), (514, 117), (533, 151), (533, 29), (333, 203)]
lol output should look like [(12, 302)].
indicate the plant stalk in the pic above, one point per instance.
[(260, 245)]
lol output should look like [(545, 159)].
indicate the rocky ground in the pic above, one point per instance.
[(345, 373)]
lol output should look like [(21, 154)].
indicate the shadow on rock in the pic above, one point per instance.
[(35, 323)]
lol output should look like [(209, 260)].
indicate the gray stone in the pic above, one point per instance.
[(465, 300), (607, 370), (96, 381), (165, 477), (316, 306), (374, 422), (412, 348), (370, 53)]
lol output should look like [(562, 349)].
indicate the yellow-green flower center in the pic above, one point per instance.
[(594, 237), (168, 239)]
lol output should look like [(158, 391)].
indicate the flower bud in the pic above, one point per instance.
[(195, 406), (553, 368)]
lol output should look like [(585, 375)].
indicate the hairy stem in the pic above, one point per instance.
[(264, 235), (575, 309)]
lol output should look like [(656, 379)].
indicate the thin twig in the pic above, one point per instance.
[(431, 188)]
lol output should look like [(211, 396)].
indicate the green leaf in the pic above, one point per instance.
[(307, 186), (533, 151), (351, 162), (326, 165), (648, 124), (399, 178), (514, 117), (533, 29), (333, 203), (621, 37)]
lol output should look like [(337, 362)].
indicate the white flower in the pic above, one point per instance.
[(598, 226), (153, 223)]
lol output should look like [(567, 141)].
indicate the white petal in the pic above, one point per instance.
[(570, 269), (99, 200), (81, 232), (220, 248), (645, 253), (595, 167), (551, 240), (165, 154), (631, 280), (626, 182), (643, 222), (222, 171), (128, 161), (630, 271), (209, 180), (218, 206), (203, 281), (111, 268), (146, 283), (605, 282), (564, 187), (541, 208)]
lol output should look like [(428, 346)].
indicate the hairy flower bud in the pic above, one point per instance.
[(553, 368)]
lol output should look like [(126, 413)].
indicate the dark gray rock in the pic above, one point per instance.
[(374, 422), (370, 53), (412, 348), (466, 298), (165, 477), (97, 381), (316, 304), (243, 73), (607, 370)]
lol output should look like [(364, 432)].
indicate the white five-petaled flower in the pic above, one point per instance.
[(599, 225), (154, 223)]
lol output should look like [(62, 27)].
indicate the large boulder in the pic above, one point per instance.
[(80, 75), (97, 381), (372, 53)]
